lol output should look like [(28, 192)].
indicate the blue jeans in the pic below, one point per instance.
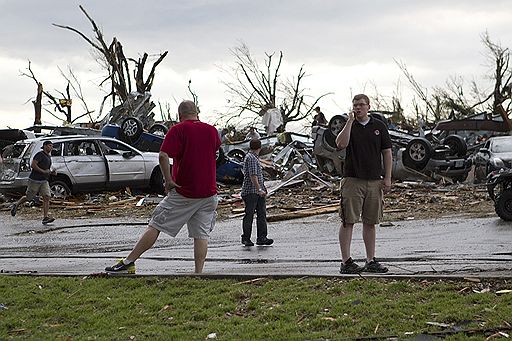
[(254, 203)]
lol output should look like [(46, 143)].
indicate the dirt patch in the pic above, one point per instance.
[(405, 201)]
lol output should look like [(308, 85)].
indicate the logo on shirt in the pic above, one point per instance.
[(377, 132)]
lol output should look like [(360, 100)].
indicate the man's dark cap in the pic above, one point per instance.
[(47, 142)]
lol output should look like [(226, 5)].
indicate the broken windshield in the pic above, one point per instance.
[(14, 151)]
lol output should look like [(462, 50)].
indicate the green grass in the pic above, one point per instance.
[(152, 308)]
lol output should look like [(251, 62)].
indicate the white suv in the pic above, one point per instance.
[(83, 164)]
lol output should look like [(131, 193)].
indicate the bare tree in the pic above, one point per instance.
[(432, 104), (455, 102), (502, 75), (112, 57), (61, 105), (75, 85), (255, 89), (194, 95)]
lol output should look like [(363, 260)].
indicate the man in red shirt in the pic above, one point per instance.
[(191, 188)]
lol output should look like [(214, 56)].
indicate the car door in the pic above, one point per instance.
[(125, 165), (85, 164)]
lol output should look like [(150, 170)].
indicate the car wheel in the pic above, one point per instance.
[(457, 145), (131, 129), (158, 129), (417, 153), (503, 205), (336, 124), (59, 189), (237, 154)]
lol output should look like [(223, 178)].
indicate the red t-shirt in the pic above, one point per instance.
[(192, 146)]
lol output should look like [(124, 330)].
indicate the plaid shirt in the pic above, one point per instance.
[(252, 166)]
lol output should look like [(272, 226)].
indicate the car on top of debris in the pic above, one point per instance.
[(411, 154), (131, 132), (83, 164), (496, 154)]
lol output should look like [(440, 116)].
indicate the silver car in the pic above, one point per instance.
[(83, 164)]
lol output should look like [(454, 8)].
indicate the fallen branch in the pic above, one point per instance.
[(304, 213)]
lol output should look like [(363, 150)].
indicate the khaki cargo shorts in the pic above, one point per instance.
[(361, 200), (175, 210), (35, 187)]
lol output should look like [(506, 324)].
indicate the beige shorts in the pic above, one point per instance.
[(35, 187), (175, 210), (361, 200)]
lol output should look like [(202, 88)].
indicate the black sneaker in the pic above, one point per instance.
[(47, 220), (247, 242), (14, 208), (349, 267), (374, 266), (121, 268), (266, 241)]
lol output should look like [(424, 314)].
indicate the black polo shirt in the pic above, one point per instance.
[(364, 151), (44, 161)]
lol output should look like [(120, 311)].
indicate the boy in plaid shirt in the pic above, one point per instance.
[(254, 193)]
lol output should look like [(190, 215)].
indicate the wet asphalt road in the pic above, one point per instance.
[(451, 247)]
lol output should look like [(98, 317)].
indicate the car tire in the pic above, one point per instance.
[(503, 205), (237, 154), (131, 129), (458, 146), (158, 129), (59, 189), (336, 124), (417, 153)]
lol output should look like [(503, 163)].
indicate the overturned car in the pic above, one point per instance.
[(412, 155)]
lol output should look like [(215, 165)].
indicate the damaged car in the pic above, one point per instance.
[(411, 154), (83, 164), (495, 155)]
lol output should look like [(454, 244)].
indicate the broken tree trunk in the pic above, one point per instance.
[(37, 106)]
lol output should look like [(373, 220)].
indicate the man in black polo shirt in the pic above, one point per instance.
[(368, 146)]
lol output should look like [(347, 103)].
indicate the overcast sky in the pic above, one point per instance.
[(346, 47)]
